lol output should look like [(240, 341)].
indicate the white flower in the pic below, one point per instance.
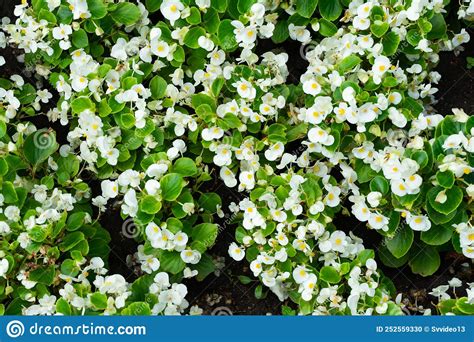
[(338, 241), (311, 87), (455, 282), (236, 252), (299, 33), (247, 179), (109, 189), (319, 135), (440, 292), (206, 43), (381, 66), (419, 223), (275, 151), (79, 9), (4, 228), (190, 256), (228, 177), (212, 133), (378, 221), (300, 274), (256, 267), (171, 10), (119, 49), (361, 23), (245, 89), (308, 287), (62, 32), (3, 267), (374, 198)]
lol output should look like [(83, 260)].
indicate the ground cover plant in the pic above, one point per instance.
[(146, 131)]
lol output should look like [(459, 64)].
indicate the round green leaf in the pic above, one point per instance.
[(329, 274), (426, 261), (445, 179), (171, 186), (400, 244), (330, 9), (40, 145), (126, 13), (454, 199)]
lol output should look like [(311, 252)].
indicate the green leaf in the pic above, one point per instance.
[(158, 87), (62, 307), (244, 279), (40, 145), (205, 233), (329, 274), (191, 38), (9, 192), (71, 240), (209, 202), (75, 221), (400, 244), (463, 305), (171, 262), (171, 186), (258, 292), (390, 43), (426, 261), (185, 167), (153, 5), (204, 267), (349, 63), (3, 128), (97, 8), (306, 8), (379, 184), (421, 157), (38, 233), (330, 9), (150, 205), (138, 309), (437, 235), (389, 260), (436, 217), (226, 36), (413, 37), (446, 306), (281, 33), (194, 17), (438, 27), (445, 179), (244, 5), (126, 13), (379, 28), (43, 275), (69, 267), (79, 39), (454, 199), (211, 20), (99, 300), (81, 104)]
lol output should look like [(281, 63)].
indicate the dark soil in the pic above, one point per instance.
[(224, 294)]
